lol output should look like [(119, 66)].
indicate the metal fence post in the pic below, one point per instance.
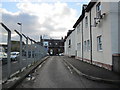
[(9, 54), (26, 48), (9, 50), (20, 59)]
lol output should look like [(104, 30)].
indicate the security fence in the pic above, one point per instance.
[(19, 54)]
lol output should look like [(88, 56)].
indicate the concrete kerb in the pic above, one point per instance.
[(91, 77), (22, 75)]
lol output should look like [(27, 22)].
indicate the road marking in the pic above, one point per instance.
[(39, 66), (23, 69), (68, 67), (13, 79), (15, 62), (14, 73)]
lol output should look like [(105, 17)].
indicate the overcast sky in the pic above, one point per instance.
[(40, 18)]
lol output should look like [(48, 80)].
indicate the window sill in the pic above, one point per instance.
[(100, 50)]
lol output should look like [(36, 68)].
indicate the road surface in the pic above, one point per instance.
[(54, 73)]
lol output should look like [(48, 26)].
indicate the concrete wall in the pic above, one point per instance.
[(114, 26), (116, 57)]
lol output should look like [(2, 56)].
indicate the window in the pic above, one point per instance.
[(45, 43), (79, 46), (98, 10), (88, 45), (86, 21), (99, 43), (84, 45)]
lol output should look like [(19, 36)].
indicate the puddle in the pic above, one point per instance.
[(30, 77)]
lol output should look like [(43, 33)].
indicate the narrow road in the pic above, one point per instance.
[(54, 73)]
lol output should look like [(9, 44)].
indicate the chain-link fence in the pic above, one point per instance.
[(19, 54)]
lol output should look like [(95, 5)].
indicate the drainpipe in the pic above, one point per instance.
[(82, 40), (90, 39)]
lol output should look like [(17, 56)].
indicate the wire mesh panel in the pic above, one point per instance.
[(21, 52)]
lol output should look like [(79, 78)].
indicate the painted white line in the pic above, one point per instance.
[(68, 67), (15, 62), (14, 73), (13, 79), (23, 69)]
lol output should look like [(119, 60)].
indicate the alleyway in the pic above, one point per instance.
[(54, 73)]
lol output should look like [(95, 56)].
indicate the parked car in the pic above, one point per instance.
[(14, 56), (3, 57), (61, 54)]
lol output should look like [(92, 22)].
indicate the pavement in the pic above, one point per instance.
[(91, 71)]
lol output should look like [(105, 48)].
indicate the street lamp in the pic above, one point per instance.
[(20, 27)]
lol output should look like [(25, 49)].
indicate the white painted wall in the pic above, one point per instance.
[(73, 43), (108, 28), (86, 36), (79, 39)]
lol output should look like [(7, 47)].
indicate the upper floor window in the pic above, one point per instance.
[(99, 43), (98, 10), (86, 21), (69, 43)]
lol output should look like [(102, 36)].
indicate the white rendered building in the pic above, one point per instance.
[(96, 35)]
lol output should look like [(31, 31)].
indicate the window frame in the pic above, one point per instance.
[(99, 43), (98, 10), (85, 44)]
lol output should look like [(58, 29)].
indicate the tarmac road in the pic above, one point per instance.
[(54, 73)]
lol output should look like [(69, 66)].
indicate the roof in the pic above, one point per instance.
[(81, 16), (86, 8), (90, 5), (58, 40), (68, 33)]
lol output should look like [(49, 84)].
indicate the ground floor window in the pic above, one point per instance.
[(99, 43), (88, 45)]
